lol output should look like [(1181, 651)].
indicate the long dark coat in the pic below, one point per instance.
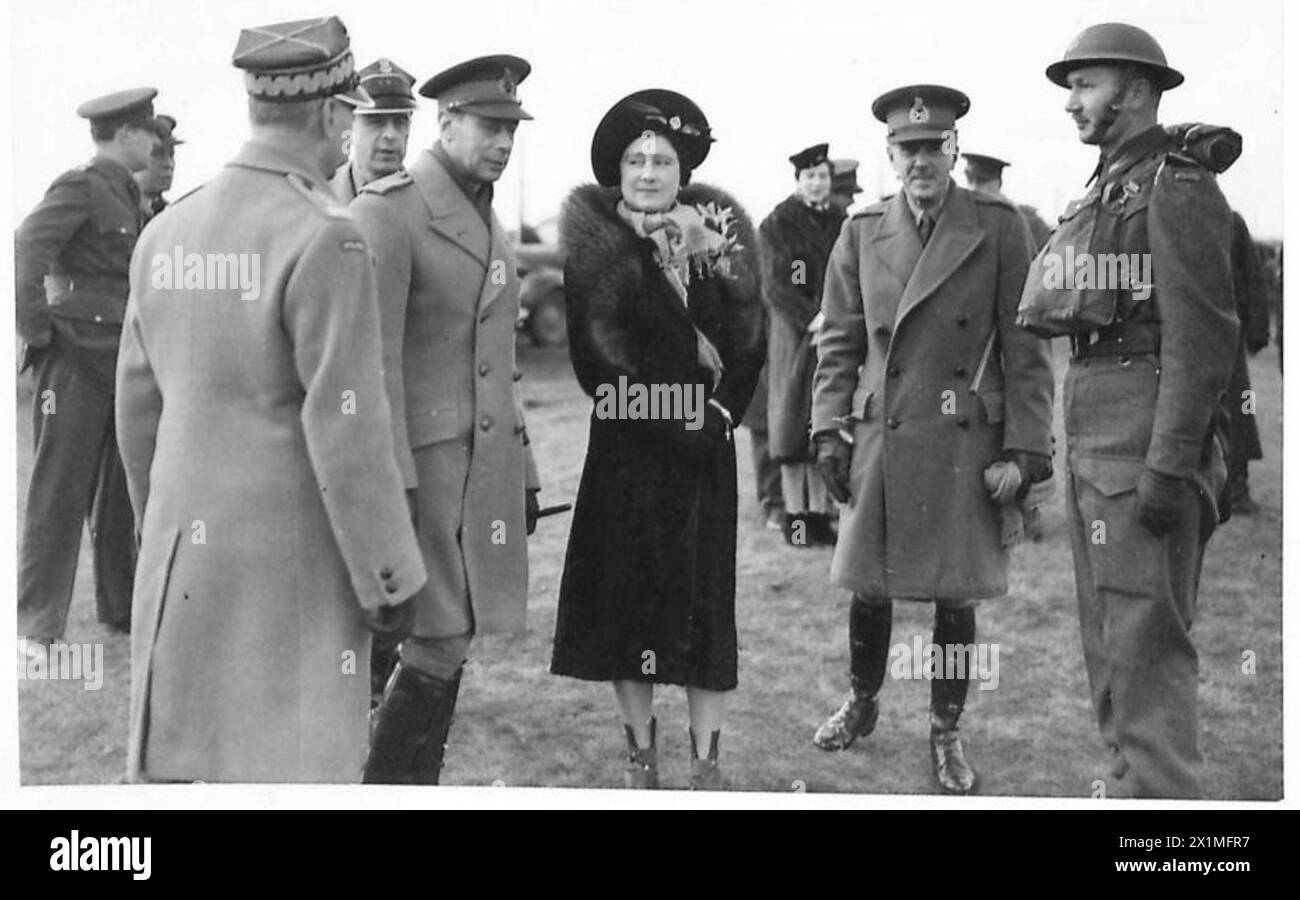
[(898, 358), (648, 591), (793, 233)]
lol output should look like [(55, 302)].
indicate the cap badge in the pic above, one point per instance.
[(675, 123), (918, 114), (508, 83), (385, 67)]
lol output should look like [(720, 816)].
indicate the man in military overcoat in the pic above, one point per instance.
[(923, 383), (449, 298)]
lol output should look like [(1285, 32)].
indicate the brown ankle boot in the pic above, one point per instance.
[(642, 770)]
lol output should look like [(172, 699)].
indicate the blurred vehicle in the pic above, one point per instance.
[(540, 263)]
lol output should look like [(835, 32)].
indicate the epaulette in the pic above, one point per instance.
[(326, 203), (190, 193), (875, 209), (389, 182)]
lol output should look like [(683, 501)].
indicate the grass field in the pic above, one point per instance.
[(1032, 736)]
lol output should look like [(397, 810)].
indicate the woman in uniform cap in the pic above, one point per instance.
[(796, 241), (662, 290)]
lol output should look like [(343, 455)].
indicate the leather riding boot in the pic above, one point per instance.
[(705, 774), (411, 728), (952, 627), (642, 770), (870, 623)]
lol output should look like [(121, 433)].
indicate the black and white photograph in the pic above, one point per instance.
[(685, 404)]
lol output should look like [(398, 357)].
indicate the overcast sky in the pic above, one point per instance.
[(773, 77)]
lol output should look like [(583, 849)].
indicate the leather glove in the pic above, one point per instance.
[(531, 509), (1034, 467), (1160, 501), (392, 623), (834, 456)]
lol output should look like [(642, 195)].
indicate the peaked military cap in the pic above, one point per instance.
[(135, 104), (985, 168), (810, 157), (389, 88), (844, 176), (655, 110), (920, 112), (290, 62), (486, 86), (166, 127)]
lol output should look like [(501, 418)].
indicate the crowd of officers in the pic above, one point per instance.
[(316, 462)]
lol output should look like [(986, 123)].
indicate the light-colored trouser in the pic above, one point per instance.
[(803, 490), (1137, 600)]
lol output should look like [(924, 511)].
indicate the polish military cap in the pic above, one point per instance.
[(166, 127), (984, 168), (291, 62), (920, 112), (486, 86), (810, 157), (389, 88), (654, 110), (134, 105), (844, 176)]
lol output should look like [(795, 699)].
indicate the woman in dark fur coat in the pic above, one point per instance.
[(661, 285)]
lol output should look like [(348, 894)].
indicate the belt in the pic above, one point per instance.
[(1119, 339), (58, 286)]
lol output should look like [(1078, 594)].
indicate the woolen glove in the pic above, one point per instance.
[(531, 509), (834, 456), (392, 623), (1160, 501)]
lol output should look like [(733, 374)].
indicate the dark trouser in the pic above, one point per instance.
[(767, 473), (76, 474)]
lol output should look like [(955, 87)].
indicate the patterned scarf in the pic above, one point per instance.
[(671, 231)]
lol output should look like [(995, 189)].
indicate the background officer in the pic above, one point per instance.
[(379, 131), (984, 173), (449, 298), (1149, 366), (76, 244), (156, 180), (844, 182), (923, 381)]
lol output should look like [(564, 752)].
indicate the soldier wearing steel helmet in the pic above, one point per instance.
[(1152, 351)]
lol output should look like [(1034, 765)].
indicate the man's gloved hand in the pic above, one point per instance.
[(1160, 501), (834, 456), (531, 509), (392, 623), (1034, 467)]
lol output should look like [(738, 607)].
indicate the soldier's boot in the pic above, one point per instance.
[(819, 525), (947, 700), (870, 622), (642, 769), (705, 773), (410, 731)]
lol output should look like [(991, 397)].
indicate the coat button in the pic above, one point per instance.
[(484, 368), (892, 371), (390, 588), (960, 371), (485, 423), (386, 573), (484, 317), (519, 429), (518, 376), (892, 422), (963, 422), (962, 321)]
